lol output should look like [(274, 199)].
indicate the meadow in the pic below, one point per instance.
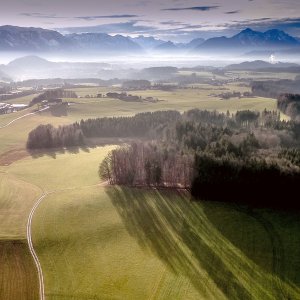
[(99, 242), (121, 243)]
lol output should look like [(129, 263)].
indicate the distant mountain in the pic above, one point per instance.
[(35, 40), (167, 46), (103, 42), (260, 65), (13, 38), (30, 40), (30, 67), (147, 42), (194, 43), (249, 39), (29, 62)]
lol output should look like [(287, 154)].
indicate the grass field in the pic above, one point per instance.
[(98, 242), (113, 243), (14, 136), (18, 277)]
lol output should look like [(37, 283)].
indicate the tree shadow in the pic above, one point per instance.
[(164, 224), (280, 229), (53, 152)]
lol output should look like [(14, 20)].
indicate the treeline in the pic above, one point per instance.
[(47, 136), (290, 105), (251, 181), (274, 88), (145, 125), (52, 94), (148, 163), (194, 127), (140, 125)]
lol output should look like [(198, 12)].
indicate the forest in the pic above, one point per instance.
[(52, 94), (216, 156)]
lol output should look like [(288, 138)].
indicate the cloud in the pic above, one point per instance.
[(91, 18), (41, 16), (197, 8), (232, 12), (112, 28), (173, 23)]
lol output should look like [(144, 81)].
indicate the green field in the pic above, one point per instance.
[(113, 243), (98, 242), (14, 136), (18, 278)]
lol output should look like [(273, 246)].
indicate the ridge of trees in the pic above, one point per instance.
[(52, 94), (194, 128)]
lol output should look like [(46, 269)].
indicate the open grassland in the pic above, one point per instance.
[(18, 277), (21, 100), (98, 242), (202, 97), (60, 170), (16, 200), (114, 243), (261, 75), (15, 136), (21, 183)]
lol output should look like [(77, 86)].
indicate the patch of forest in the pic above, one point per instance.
[(248, 156), (52, 94)]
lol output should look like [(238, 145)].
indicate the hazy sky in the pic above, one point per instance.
[(179, 20)]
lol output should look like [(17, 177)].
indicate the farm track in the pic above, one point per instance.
[(29, 236), (31, 248), (22, 117)]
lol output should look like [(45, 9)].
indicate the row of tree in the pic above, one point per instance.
[(52, 94), (47, 136), (147, 163), (193, 129)]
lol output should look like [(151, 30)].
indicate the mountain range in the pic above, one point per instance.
[(249, 40), (35, 40)]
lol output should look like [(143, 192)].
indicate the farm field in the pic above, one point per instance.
[(18, 278), (14, 136), (98, 242), (108, 243), (112, 243), (19, 190)]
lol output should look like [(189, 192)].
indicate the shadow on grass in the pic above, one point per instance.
[(162, 224), (90, 143), (54, 151), (280, 229)]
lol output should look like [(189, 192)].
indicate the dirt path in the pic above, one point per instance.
[(19, 118), (31, 249), (29, 231)]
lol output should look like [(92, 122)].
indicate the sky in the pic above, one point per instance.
[(176, 20)]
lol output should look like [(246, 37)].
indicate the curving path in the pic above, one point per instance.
[(29, 114), (31, 249), (29, 237)]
